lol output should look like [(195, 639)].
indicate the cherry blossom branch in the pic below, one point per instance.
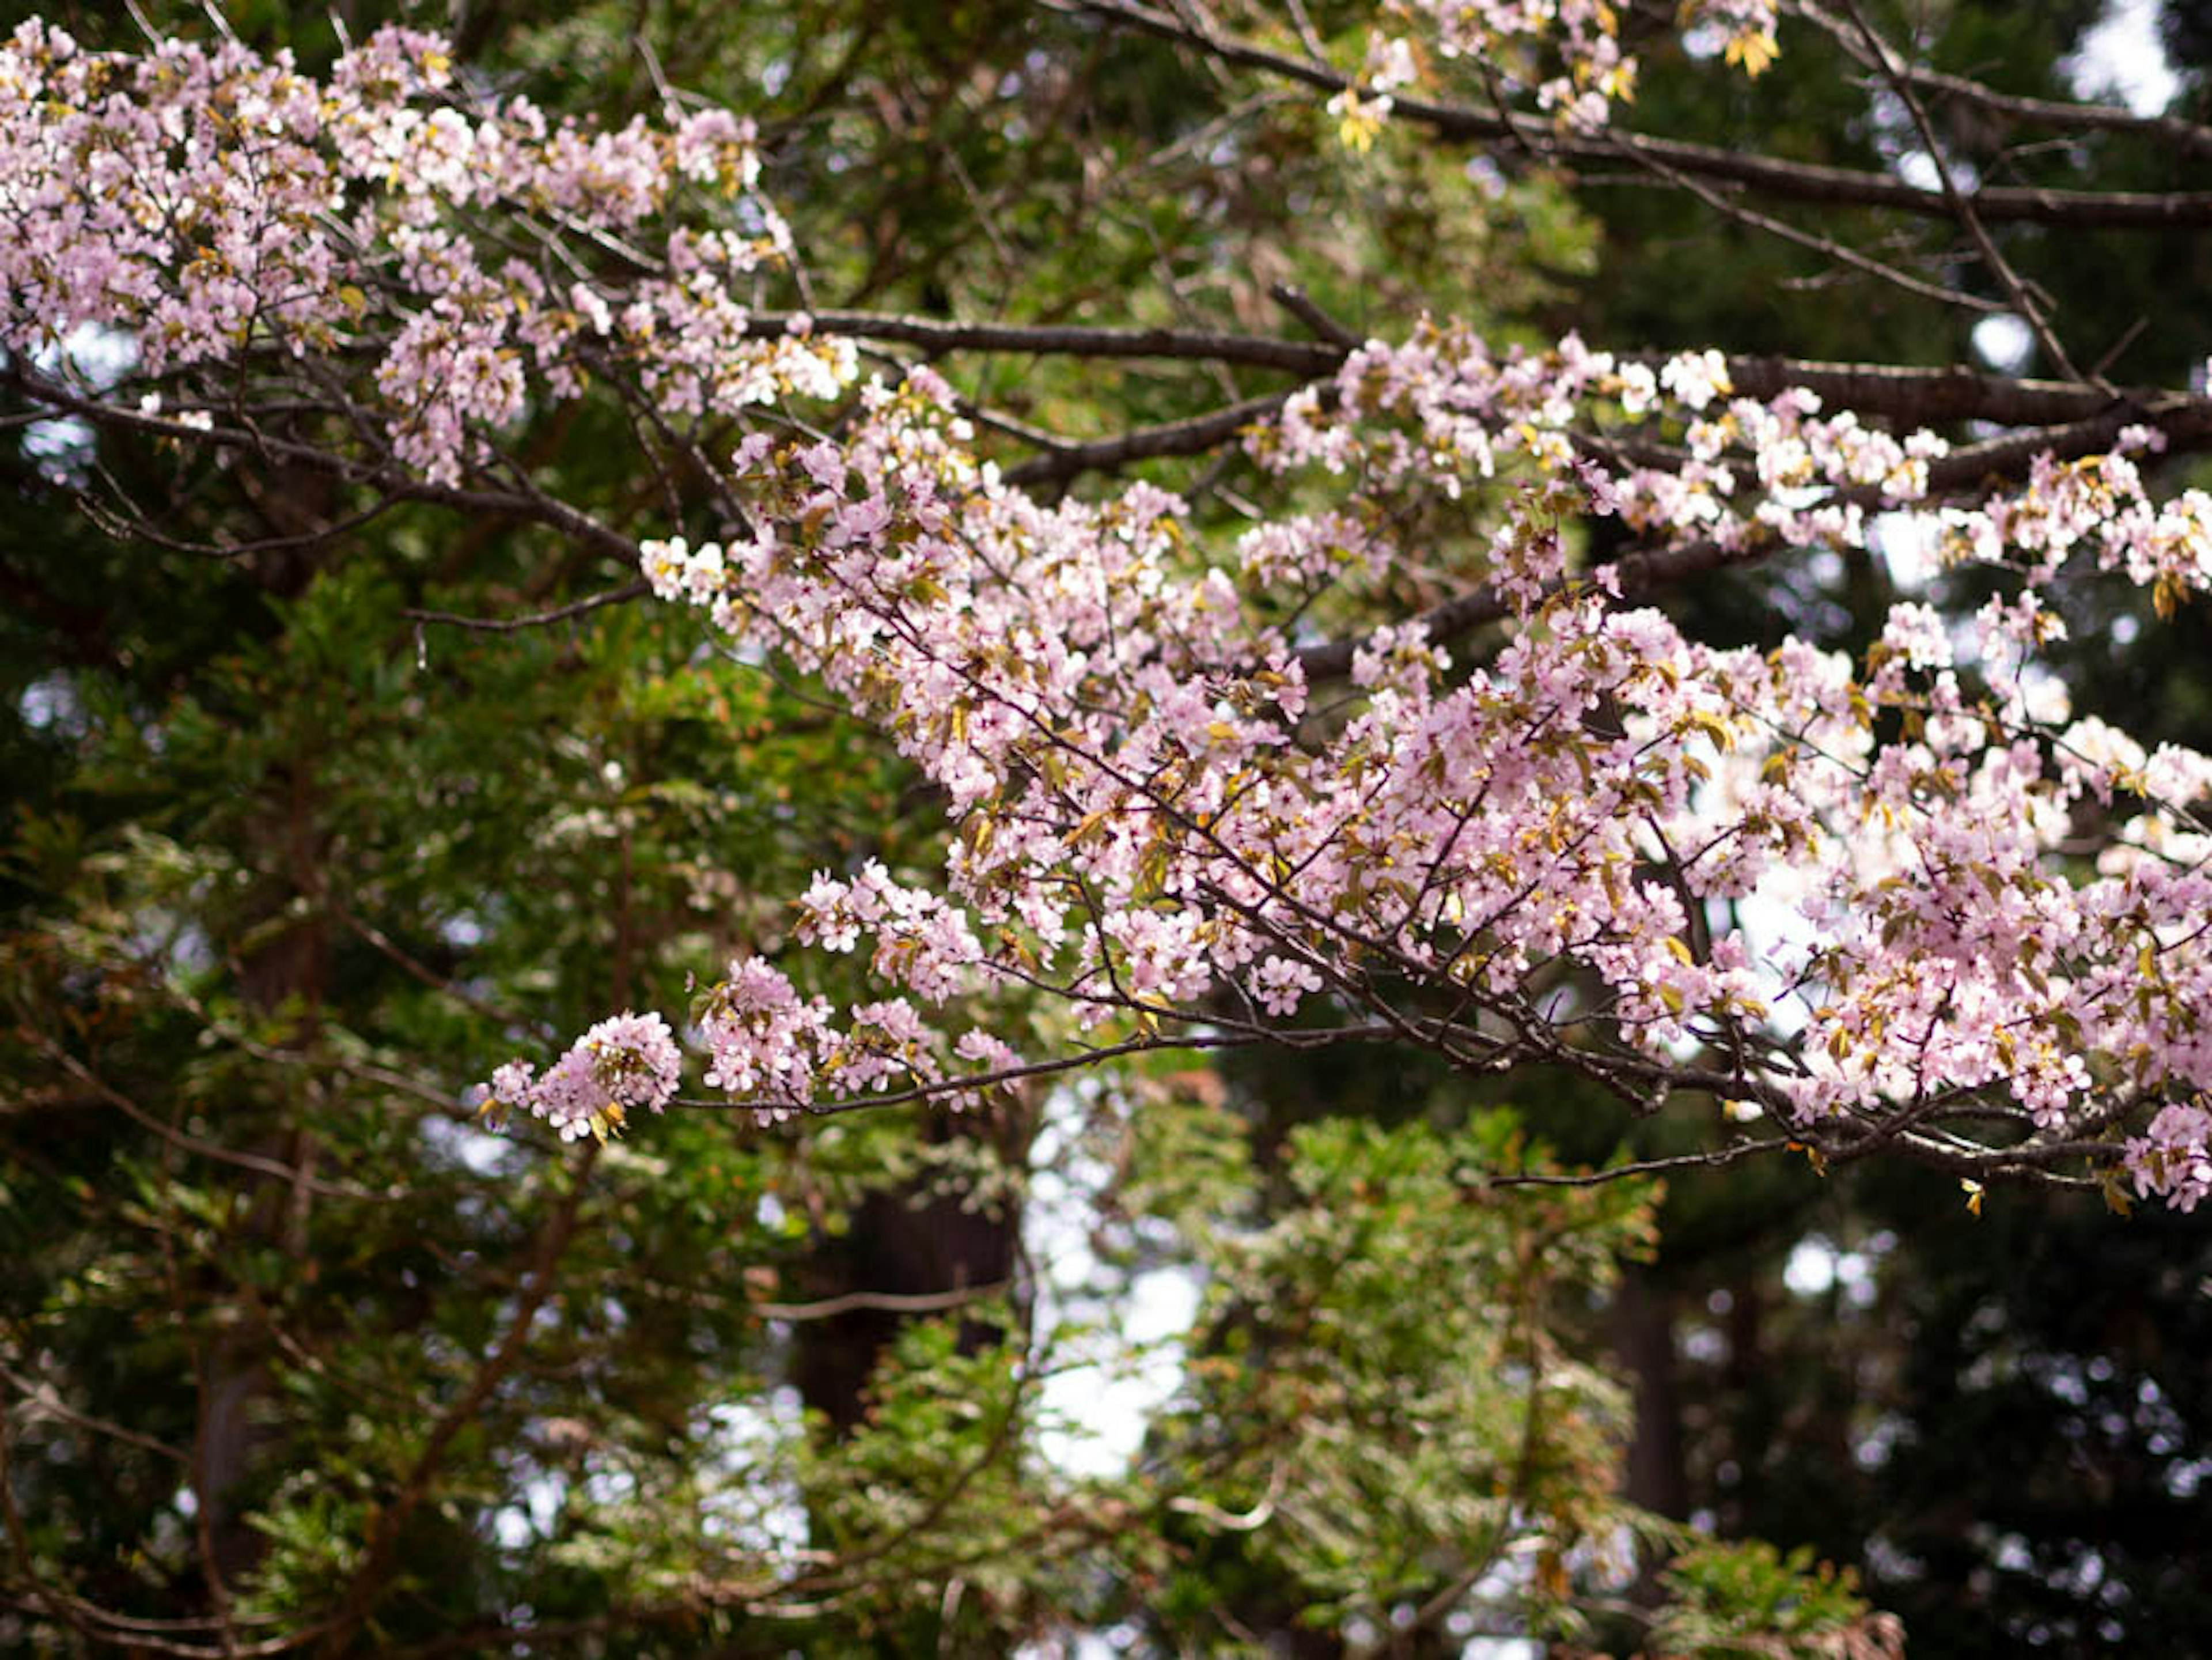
[(2186, 421), (1149, 816), (973, 1083), (1797, 182)]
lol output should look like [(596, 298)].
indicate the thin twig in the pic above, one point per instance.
[(622, 595), (1963, 209)]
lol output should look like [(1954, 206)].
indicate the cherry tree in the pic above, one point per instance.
[(1911, 904), (1379, 708)]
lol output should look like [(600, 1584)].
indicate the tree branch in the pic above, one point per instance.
[(935, 335), (1193, 436), (1797, 182), (2186, 421), (2171, 131)]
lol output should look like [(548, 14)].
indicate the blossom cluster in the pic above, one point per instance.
[(1566, 55), (1148, 831), (1440, 410), (1574, 846), (208, 206), (782, 1053), (619, 1066)]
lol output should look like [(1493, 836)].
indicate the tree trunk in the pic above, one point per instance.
[(1642, 1330), (900, 1244)]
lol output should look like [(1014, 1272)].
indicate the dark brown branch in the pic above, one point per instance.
[(1714, 1159), (936, 335), (1909, 393), (1797, 182), (275, 1170), (2187, 137), (385, 945), (530, 505), (1724, 203), (1922, 395), (1300, 305), (1925, 395), (1962, 205), (1193, 436)]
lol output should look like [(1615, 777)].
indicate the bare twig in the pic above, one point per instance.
[(935, 1302), (1962, 207), (2173, 133), (622, 595)]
